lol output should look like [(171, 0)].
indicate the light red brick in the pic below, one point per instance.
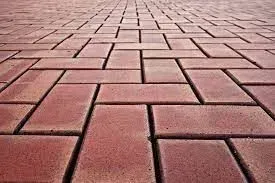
[(35, 158), (211, 121), (141, 46), (6, 54), (172, 54), (265, 95), (72, 44), (128, 59), (258, 156), (69, 63), (64, 110), (102, 76), (116, 148), (146, 93), (30, 87), (254, 76), (95, 50), (215, 63), (10, 69), (11, 116), (219, 50), (224, 90), (263, 58), (182, 44), (162, 71), (46, 54), (17, 47), (198, 161)]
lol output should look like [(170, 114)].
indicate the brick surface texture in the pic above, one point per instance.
[(137, 91)]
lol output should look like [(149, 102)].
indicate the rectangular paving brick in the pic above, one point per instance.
[(72, 44), (128, 59), (6, 54), (263, 58), (198, 161), (69, 63), (162, 71), (10, 69), (218, 40), (11, 116), (172, 54), (215, 63), (152, 38), (117, 141), (186, 35), (254, 38), (95, 50), (17, 47), (252, 46), (72, 104), (54, 38), (146, 93), (46, 54), (35, 158), (225, 90), (254, 76), (30, 87), (102, 76), (182, 44), (219, 50), (258, 156), (212, 121), (113, 40), (265, 95), (141, 46)]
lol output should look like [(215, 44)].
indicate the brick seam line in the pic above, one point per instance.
[(24, 121), (14, 79), (154, 143), (231, 76), (236, 155), (75, 155)]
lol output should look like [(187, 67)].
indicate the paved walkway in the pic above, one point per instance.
[(137, 91)]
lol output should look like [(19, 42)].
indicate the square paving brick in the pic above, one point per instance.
[(35, 158), (258, 156), (116, 148), (12, 68), (69, 63), (95, 50), (254, 76), (102, 76), (182, 44), (163, 71), (11, 116), (119, 59), (30, 87), (225, 90), (146, 93), (198, 161), (64, 110), (265, 95), (212, 121), (215, 63)]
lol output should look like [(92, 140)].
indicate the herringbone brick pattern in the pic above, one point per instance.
[(137, 91)]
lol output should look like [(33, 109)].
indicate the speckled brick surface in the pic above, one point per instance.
[(137, 91)]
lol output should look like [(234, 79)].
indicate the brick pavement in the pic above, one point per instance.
[(137, 91)]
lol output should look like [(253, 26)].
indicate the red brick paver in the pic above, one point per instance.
[(137, 91)]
